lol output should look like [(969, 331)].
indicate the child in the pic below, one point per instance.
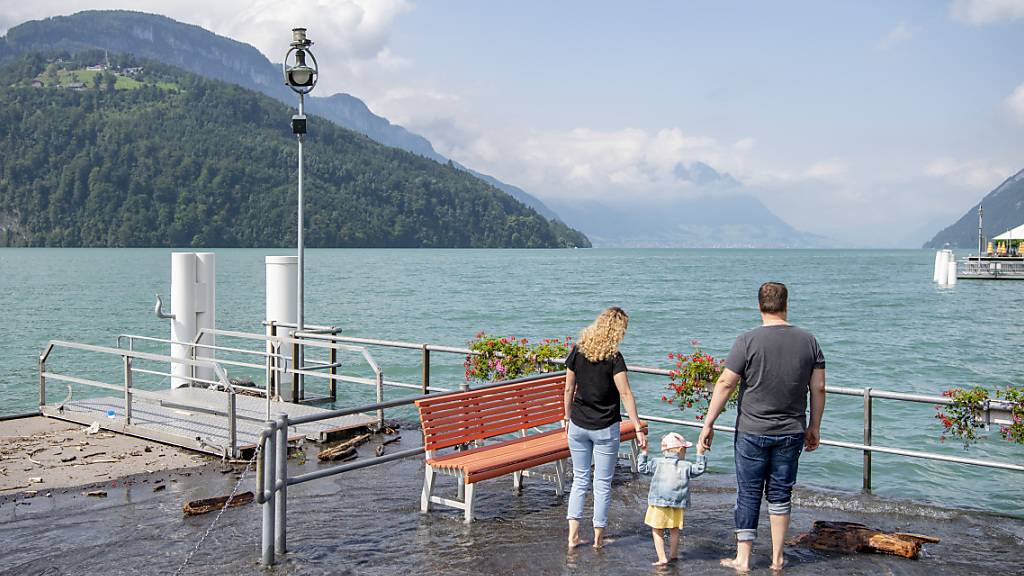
[(669, 495)]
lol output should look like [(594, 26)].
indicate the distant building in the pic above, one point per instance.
[(97, 67), (132, 71), (37, 83), (79, 86)]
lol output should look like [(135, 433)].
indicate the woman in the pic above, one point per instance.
[(595, 384)]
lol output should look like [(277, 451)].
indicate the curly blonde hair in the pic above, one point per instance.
[(601, 339)]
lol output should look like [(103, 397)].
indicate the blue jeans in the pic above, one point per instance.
[(600, 448), (764, 465)]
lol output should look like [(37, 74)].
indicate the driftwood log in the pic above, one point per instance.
[(197, 507), (850, 537), (342, 451)]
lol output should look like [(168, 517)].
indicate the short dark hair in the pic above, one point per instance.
[(772, 297)]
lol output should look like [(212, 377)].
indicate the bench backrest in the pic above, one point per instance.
[(454, 419)]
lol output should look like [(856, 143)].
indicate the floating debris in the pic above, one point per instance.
[(197, 507), (850, 538), (97, 493), (343, 451)]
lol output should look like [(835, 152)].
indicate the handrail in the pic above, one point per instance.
[(127, 357)]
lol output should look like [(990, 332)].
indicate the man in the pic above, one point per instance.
[(775, 366)]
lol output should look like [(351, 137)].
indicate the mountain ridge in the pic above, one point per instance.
[(1004, 209)]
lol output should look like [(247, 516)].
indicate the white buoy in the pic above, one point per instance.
[(942, 267), (938, 263), (951, 274), (194, 305), (281, 295)]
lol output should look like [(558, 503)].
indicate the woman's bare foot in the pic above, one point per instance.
[(602, 542), (660, 563), (575, 542), (777, 567), (735, 565)]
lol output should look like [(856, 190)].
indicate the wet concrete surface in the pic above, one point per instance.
[(368, 522)]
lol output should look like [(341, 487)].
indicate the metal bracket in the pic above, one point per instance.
[(158, 309)]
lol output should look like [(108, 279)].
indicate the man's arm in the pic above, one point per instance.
[(813, 436), (724, 388)]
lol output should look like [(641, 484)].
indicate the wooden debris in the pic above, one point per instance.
[(850, 538), (97, 493), (197, 507), (159, 487), (342, 451)]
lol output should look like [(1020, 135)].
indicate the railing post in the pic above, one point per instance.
[(380, 397), (269, 483), (232, 423), (426, 369), (296, 365), (867, 439), (281, 485), (42, 381), (332, 387), (127, 389)]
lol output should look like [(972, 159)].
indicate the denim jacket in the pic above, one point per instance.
[(671, 483)]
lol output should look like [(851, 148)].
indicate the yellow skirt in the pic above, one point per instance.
[(665, 517)]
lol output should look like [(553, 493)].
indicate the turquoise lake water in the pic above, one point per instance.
[(880, 321)]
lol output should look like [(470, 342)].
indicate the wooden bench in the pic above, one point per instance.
[(476, 415)]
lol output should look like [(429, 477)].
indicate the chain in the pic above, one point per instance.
[(209, 529)]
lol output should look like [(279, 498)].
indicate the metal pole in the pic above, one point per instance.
[(299, 310), (332, 387), (867, 438), (269, 482), (426, 369), (281, 485), (127, 389), (42, 381), (232, 424), (380, 397), (296, 365)]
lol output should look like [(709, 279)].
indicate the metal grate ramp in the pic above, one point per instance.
[(177, 417)]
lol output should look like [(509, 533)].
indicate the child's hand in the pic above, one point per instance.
[(700, 449)]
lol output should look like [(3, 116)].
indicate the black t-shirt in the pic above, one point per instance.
[(596, 403)]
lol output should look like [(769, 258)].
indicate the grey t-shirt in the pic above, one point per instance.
[(775, 363)]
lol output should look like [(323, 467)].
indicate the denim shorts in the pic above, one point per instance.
[(765, 466)]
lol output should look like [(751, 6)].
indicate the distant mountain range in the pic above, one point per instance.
[(740, 219), (1004, 209)]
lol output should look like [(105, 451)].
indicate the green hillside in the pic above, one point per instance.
[(177, 160), (1004, 209)]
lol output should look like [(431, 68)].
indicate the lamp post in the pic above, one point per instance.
[(301, 78)]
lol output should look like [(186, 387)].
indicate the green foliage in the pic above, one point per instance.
[(692, 382), (506, 357), (187, 162), (1013, 432), (961, 418)]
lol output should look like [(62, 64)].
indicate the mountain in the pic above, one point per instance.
[(1004, 209), (163, 157), (202, 52), (707, 221)]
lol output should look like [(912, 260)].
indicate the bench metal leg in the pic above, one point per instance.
[(428, 488), (470, 488), (560, 478)]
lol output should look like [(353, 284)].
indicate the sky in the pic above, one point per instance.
[(872, 123)]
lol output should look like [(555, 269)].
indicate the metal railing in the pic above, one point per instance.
[(131, 393)]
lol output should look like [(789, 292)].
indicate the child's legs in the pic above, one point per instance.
[(659, 545), (673, 543)]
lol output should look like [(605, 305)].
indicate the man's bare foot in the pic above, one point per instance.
[(732, 563)]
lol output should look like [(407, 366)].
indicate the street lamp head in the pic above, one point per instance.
[(298, 75)]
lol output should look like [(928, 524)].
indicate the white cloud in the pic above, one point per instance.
[(1015, 104), (980, 12), (901, 33), (975, 175), (744, 145)]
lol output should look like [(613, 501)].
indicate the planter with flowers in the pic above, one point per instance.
[(693, 380), (507, 357), (970, 410)]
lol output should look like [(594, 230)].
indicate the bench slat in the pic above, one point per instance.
[(482, 409), (524, 411), (437, 409), (426, 402), (482, 433)]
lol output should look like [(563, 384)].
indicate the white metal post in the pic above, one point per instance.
[(299, 311)]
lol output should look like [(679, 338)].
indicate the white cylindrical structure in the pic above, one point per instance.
[(194, 304), (938, 264), (941, 267), (281, 294), (951, 273)]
